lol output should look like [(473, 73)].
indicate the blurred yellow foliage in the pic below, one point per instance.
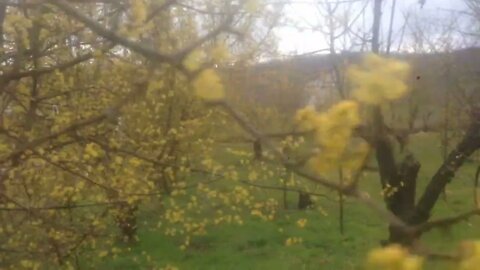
[(378, 80), (220, 53), (470, 253), (194, 60), (208, 86), (293, 240), (252, 6), (393, 257), (302, 222), (139, 11), (333, 131)]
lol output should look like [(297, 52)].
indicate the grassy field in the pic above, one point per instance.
[(260, 244)]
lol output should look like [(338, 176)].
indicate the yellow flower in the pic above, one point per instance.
[(208, 86), (118, 160), (91, 151), (256, 212), (378, 79), (139, 11), (252, 176), (355, 156), (103, 253), (305, 117), (337, 123), (302, 222), (288, 242), (194, 60), (135, 162), (252, 6), (413, 263), (293, 240), (346, 111), (333, 131), (324, 162), (393, 257), (470, 253), (387, 256), (220, 53)]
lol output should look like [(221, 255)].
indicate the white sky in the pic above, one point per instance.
[(303, 12)]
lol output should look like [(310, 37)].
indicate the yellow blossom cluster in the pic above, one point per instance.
[(375, 81), (378, 80), (29, 264), (389, 190), (265, 210), (139, 11), (252, 6), (333, 131), (293, 241), (220, 53), (194, 60), (470, 253), (393, 257), (208, 86), (138, 22), (18, 24), (291, 143), (301, 223), (175, 215), (92, 151)]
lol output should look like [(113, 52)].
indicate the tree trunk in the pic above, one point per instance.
[(467, 146), (257, 149), (377, 16), (127, 221), (404, 203), (304, 201)]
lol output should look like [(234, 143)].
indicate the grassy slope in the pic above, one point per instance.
[(259, 244)]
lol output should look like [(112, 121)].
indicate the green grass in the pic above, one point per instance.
[(260, 244)]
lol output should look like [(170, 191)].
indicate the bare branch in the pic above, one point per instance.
[(476, 198), (469, 144), (59, 207), (348, 190), (159, 9), (283, 188), (108, 113), (112, 36), (43, 71), (446, 222)]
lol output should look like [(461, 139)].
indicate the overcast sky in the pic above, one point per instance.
[(304, 13)]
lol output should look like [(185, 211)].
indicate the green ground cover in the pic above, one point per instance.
[(260, 244)]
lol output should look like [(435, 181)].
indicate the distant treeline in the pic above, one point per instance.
[(436, 79)]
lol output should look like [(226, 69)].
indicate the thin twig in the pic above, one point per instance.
[(446, 222), (349, 190)]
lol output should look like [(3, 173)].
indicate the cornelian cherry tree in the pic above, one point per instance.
[(100, 115)]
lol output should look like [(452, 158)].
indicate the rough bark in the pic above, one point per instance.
[(304, 201), (403, 203), (257, 149), (127, 221)]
